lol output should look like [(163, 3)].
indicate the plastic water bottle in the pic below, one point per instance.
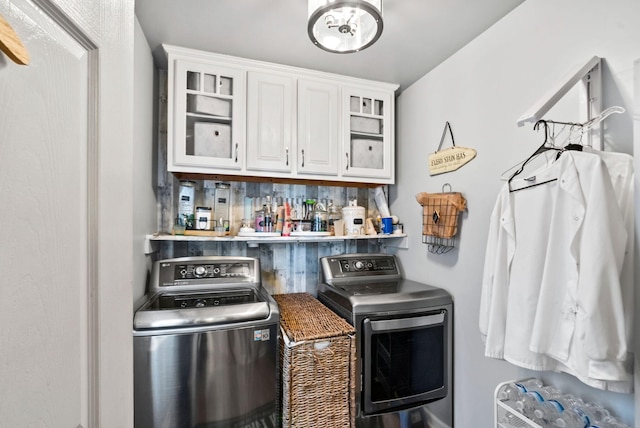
[(512, 391), (569, 401), (609, 425), (578, 417), (530, 400), (567, 421), (546, 413), (610, 422), (599, 412)]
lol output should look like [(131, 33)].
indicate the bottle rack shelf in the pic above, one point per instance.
[(507, 415)]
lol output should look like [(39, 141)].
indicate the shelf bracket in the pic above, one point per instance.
[(150, 246), (591, 76), (395, 243)]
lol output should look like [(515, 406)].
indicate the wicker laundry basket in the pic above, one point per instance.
[(317, 350)]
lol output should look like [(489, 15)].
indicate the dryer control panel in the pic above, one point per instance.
[(359, 265)]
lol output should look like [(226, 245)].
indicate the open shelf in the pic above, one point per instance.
[(393, 240)]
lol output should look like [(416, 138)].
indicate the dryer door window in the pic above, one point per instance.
[(404, 361)]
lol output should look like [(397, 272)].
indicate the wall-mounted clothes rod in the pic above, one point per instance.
[(590, 74)]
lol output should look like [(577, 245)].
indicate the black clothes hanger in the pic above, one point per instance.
[(543, 148), (572, 146)]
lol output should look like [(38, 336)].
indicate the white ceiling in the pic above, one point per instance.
[(417, 35)]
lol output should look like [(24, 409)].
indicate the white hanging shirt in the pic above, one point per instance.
[(514, 262), (551, 293), (620, 168)]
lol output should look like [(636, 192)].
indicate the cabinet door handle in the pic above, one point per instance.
[(236, 152), (303, 158), (347, 160), (286, 149)]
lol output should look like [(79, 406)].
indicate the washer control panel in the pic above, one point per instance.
[(205, 270), (212, 270)]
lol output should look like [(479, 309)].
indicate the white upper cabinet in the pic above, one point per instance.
[(206, 127), (368, 145), (271, 107), (237, 117), (318, 132)]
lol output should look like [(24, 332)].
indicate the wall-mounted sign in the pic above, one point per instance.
[(449, 159)]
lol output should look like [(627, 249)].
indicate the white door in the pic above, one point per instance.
[(64, 360)]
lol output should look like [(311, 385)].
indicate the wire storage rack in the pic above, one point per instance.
[(440, 213)]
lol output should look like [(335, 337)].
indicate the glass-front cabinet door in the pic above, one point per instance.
[(368, 145), (208, 111)]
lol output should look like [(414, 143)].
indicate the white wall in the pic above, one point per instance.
[(144, 214), (482, 90)]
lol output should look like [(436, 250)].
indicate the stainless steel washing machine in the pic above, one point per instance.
[(206, 346), (404, 341)]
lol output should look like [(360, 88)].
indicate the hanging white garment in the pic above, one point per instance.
[(512, 276), (555, 240), (620, 169), (514, 263), (579, 320)]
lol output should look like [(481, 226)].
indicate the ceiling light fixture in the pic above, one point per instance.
[(344, 26)]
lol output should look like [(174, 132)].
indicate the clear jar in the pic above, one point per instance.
[(222, 204), (334, 214), (319, 221), (187, 203), (203, 218)]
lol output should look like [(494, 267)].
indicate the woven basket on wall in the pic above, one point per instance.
[(318, 359), (440, 212)]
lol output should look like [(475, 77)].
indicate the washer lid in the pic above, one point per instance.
[(214, 307)]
